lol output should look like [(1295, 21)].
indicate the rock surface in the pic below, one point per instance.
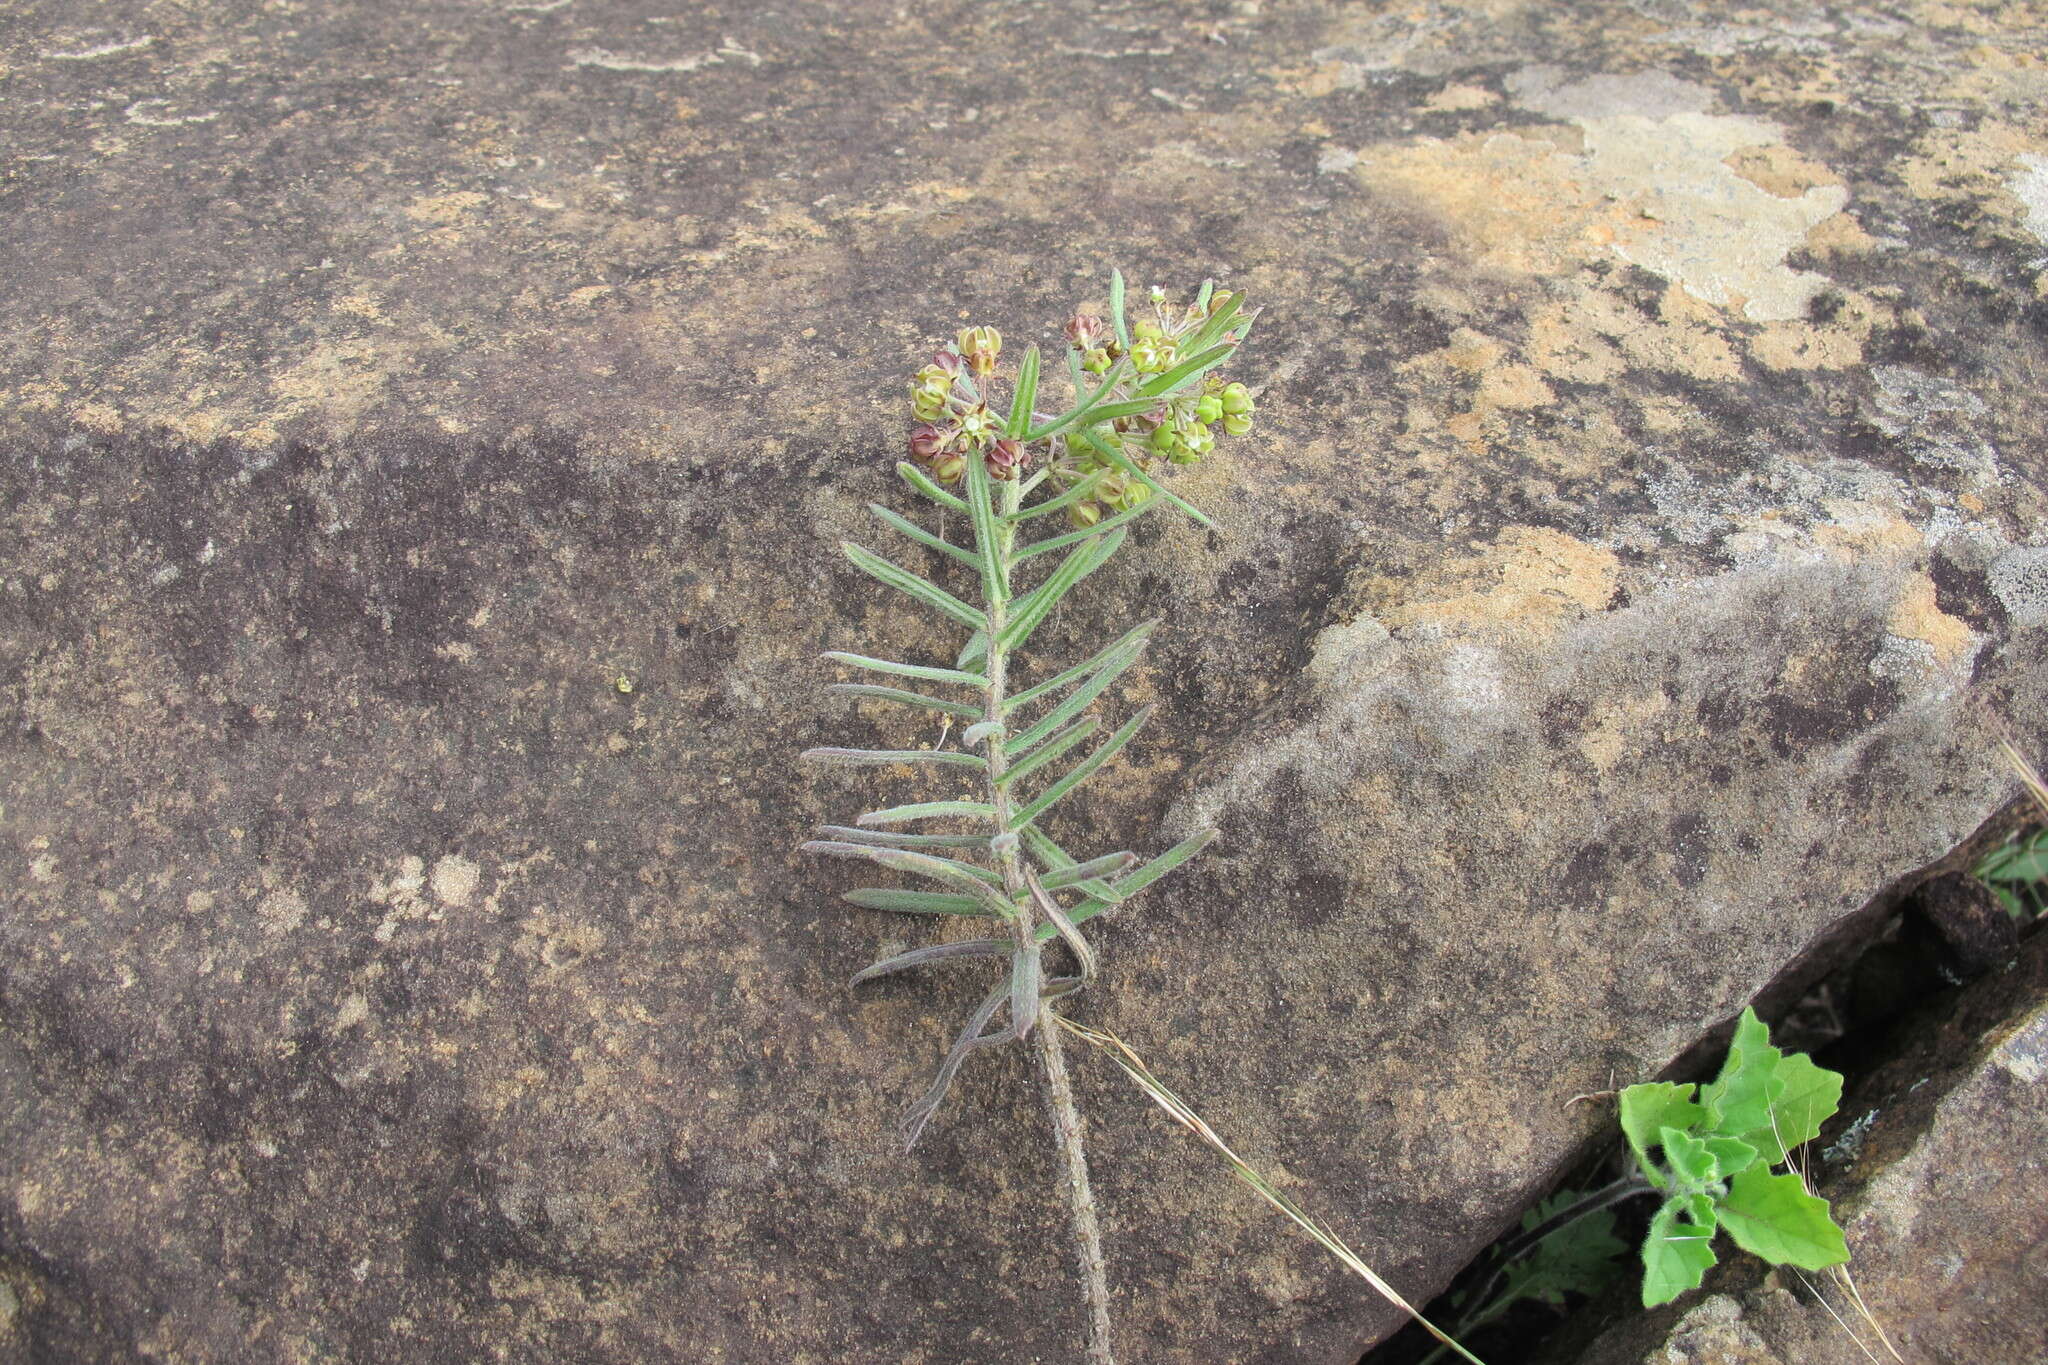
[(1934, 1173), (1641, 550)]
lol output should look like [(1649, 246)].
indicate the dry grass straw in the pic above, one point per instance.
[(1177, 1108)]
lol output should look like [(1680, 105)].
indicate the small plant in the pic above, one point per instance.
[(2017, 870), (1716, 1151), (1144, 399), (1715, 1147)]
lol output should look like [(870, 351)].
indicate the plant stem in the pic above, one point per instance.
[(1059, 1092)]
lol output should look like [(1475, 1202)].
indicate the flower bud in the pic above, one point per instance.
[(1085, 331), (1004, 457), (1137, 495), (1208, 409), (1146, 330), (980, 346), (949, 467), (1237, 399), (1096, 361), (1163, 439), (928, 442), (1218, 299), (1237, 423), (949, 361), (1082, 515), (1111, 490), (1196, 439)]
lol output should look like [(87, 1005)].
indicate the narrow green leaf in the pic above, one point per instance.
[(1107, 865), (1081, 561), (1116, 308), (1060, 542), (1811, 1095), (1216, 324), (935, 952), (920, 671), (1168, 380), (916, 902), (1072, 495), (1738, 1100), (1027, 394), (1773, 1216), (1047, 752), (869, 758), (1129, 407), (1648, 1108), (919, 534), (1081, 771), (995, 583), (1082, 410), (904, 581), (1128, 640), (1676, 1256), (1109, 451), (897, 694), (1202, 298), (1057, 861), (974, 651), (896, 838), (1077, 700), (922, 482), (1127, 887), (928, 810), (957, 875)]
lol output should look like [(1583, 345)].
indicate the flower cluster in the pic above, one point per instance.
[(1117, 456)]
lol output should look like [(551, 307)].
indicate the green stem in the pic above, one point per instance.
[(1066, 1113)]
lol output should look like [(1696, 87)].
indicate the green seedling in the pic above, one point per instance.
[(2017, 873)]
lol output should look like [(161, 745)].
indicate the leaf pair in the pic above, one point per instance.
[(1716, 1150)]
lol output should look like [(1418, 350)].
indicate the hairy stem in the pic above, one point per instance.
[(1059, 1092)]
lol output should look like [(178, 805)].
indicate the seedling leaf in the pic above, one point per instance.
[(1810, 1097), (1676, 1256), (1774, 1217), (1646, 1109), (1738, 1101)]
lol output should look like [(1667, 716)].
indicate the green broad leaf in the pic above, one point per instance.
[(1116, 308), (1048, 751), (1125, 643), (928, 810), (1731, 1155), (1580, 1257), (1107, 865), (1690, 1163), (1073, 495), (1646, 1109), (1027, 394), (1057, 862), (919, 534), (1699, 1209), (1109, 451), (1081, 561), (919, 671), (1810, 1096), (897, 694), (935, 952), (908, 583), (1060, 542), (870, 758), (1676, 1256), (1773, 1216), (916, 902), (1081, 771), (896, 838), (1167, 381), (922, 482), (988, 545), (1083, 412), (1738, 1101)]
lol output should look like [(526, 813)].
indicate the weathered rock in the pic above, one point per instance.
[(1640, 553), (1934, 1174)]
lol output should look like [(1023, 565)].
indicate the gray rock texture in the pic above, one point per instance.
[(1639, 554), (1935, 1173)]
